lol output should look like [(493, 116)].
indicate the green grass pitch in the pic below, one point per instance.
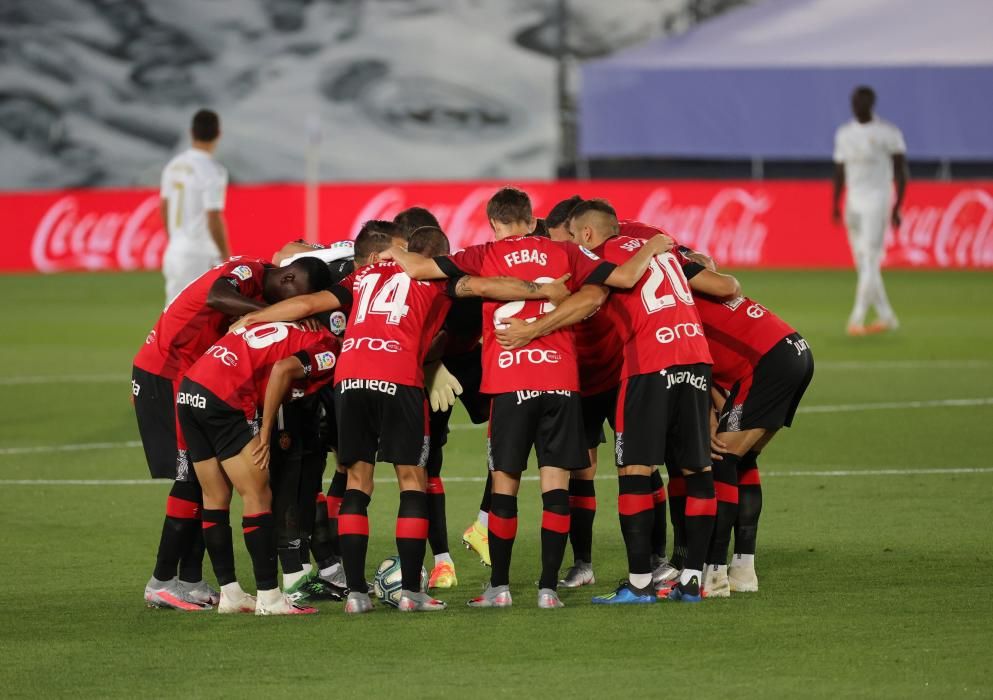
[(875, 554)]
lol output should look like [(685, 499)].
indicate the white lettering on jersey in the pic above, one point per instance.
[(755, 311), (374, 344), (227, 358), (667, 334), (697, 381), (519, 257), (534, 356), (523, 396)]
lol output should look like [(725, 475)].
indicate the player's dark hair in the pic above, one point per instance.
[(413, 218), (864, 92), (387, 228), (206, 125), (540, 229), (316, 270), (429, 241), (371, 242), (509, 206), (598, 205), (560, 212)]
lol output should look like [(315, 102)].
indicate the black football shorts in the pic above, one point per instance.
[(211, 427), (769, 396), (598, 408), (664, 417), (550, 421), (381, 421), (154, 399)]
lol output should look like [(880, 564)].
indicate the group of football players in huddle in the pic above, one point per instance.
[(256, 371)]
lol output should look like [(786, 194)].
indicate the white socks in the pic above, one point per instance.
[(232, 590), (747, 560), (292, 579), (270, 597), (483, 518), (331, 570), (444, 556)]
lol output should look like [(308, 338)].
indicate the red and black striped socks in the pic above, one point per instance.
[(260, 539), (582, 512), (220, 547), (726, 490), (353, 535), (658, 523), (411, 537), (554, 534), (749, 504), (180, 545), (701, 507), (636, 509), (502, 533)]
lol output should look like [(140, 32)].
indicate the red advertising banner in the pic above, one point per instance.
[(742, 224)]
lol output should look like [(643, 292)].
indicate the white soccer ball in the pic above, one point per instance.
[(389, 581)]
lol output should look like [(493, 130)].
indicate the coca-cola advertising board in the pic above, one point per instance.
[(776, 224)]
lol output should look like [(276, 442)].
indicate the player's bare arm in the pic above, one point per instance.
[(164, 213), (281, 379), (219, 232), (517, 333), (839, 188), (627, 275), (512, 289), (224, 297), (415, 265), (292, 309), (716, 284), (901, 174)]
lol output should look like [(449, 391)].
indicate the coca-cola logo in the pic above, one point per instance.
[(464, 221), (728, 227), (70, 238), (957, 235)]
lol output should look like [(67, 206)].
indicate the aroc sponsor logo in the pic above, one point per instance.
[(227, 358), (374, 344), (680, 331), (534, 356)]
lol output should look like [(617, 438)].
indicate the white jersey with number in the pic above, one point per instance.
[(867, 151), (193, 183)]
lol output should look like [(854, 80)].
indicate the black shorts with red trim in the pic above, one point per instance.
[(664, 417), (769, 396), (211, 427), (549, 421), (598, 408), (380, 421), (154, 399)]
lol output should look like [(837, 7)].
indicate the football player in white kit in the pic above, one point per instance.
[(869, 156), (194, 185)]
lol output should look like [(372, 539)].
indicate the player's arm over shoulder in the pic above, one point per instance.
[(701, 272)]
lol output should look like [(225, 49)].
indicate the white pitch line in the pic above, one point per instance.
[(837, 408), (924, 471), (890, 405), (65, 378), (823, 364)]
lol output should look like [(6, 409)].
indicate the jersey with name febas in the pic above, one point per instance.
[(739, 332), (236, 368), (187, 326), (392, 321), (657, 320), (545, 364)]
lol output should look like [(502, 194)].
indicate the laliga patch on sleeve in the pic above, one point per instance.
[(325, 360), (242, 272), (589, 253), (337, 322)]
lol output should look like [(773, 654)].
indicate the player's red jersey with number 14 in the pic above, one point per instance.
[(544, 364), (392, 322), (187, 326), (658, 321), (236, 368)]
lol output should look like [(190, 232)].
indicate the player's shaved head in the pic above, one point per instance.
[(302, 276), (429, 241), (370, 242), (593, 221), (413, 218)]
